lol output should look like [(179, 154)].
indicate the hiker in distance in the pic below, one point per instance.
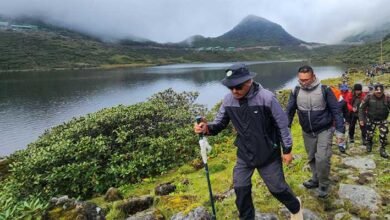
[(318, 111), (373, 112), (263, 140), (353, 101)]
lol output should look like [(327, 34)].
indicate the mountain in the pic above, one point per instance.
[(251, 31), (369, 36), (369, 53)]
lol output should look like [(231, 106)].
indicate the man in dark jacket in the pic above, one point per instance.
[(373, 112), (353, 102), (318, 110), (262, 133)]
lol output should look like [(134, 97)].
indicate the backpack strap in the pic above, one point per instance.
[(324, 89), (296, 91)]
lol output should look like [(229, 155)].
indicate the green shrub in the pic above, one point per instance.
[(112, 147)]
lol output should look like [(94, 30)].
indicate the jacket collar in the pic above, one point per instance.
[(312, 86)]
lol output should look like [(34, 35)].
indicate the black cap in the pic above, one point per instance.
[(358, 87), (237, 74)]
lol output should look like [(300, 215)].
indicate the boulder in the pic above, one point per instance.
[(224, 195), (200, 213), (360, 196), (149, 214), (307, 214), (164, 189), (134, 205), (361, 163), (266, 216), (64, 201), (112, 194), (89, 211), (197, 164)]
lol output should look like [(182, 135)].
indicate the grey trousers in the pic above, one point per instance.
[(319, 150), (273, 177)]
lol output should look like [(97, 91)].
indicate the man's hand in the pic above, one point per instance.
[(354, 109), (361, 123), (287, 158), (200, 128)]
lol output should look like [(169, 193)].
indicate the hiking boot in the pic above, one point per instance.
[(299, 214), (342, 149), (382, 152), (369, 147), (323, 192), (310, 184)]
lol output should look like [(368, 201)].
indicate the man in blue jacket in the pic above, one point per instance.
[(262, 133), (318, 111)]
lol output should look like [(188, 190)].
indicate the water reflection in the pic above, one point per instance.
[(31, 102)]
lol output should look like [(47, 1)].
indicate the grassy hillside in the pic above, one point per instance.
[(45, 50), (366, 54)]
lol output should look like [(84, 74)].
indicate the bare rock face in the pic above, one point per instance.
[(134, 205), (112, 194), (164, 189), (360, 196), (199, 213)]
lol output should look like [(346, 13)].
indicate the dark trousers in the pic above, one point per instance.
[(383, 131), (273, 177), (353, 120)]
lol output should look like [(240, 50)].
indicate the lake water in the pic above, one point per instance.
[(31, 102)]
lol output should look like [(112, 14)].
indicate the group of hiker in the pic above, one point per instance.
[(263, 131), (369, 109)]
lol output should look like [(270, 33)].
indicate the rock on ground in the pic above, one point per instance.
[(360, 196)]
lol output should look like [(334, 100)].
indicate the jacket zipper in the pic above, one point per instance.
[(311, 127)]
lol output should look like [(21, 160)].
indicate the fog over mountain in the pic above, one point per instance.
[(327, 21)]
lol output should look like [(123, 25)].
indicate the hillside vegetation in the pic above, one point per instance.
[(366, 54), (140, 146)]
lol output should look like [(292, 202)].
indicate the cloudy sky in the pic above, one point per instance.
[(326, 21)]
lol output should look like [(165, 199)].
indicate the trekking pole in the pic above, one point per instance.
[(204, 145)]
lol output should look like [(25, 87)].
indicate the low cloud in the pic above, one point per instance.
[(175, 20)]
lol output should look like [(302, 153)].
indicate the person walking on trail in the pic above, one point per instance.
[(373, 112), (342, 101), (354, 100), (263, 140), (318, 111)]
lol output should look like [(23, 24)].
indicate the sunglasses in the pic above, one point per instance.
[(237, 87)]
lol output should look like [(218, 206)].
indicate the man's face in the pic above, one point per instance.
[(241, 90), (306, 79), (378, 93), (358, 92)]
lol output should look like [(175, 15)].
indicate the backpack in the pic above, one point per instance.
[(336, 92)]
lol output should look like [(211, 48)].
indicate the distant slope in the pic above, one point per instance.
[(368, 53), (369, 36), (251, 31), (45, 49)]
